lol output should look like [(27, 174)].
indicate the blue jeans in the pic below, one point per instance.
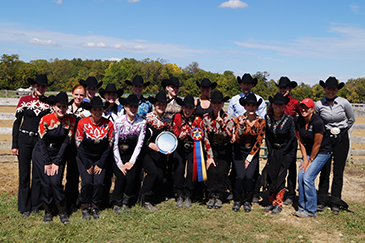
[(307, 201)]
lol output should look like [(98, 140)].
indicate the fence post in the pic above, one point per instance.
[(6, 93)]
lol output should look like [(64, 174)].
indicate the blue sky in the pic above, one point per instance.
[(304, 40)]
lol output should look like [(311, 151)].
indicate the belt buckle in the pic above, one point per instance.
[(31, 134), (276, 145), (335, 131), (124, 147), (187, 145), (248, 145)]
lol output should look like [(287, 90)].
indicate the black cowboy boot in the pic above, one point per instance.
[(47, 213), (62, 212), (125, 203)]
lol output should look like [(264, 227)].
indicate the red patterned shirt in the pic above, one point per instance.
[(157, 124), (182, 124), (215, 133)]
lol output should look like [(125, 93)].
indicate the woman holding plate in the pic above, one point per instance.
[(154, 162), (218, 130)]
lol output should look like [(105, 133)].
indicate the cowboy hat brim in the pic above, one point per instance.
[(243, 102), (339, 86)]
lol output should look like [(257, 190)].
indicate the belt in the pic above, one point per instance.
[(123, 147), (54, 145), (220, 144), (188, 145), (30, 133), (278, 145)]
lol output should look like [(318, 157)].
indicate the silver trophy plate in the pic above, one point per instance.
[(166, 142)]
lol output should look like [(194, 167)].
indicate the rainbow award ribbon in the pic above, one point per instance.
[(199, 169)]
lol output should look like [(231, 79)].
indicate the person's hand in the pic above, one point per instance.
[(219, 119), (305, 164), (15, 152), (241, 122), (47, 169), (129, 165), (246, 163), (123, 169), (54, 169), (154, 147), (210, 162), (97, 170), (233, 139), (182, 135), (90, 170)]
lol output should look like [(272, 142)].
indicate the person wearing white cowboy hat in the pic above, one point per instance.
[(130, 131), (246, 83), (172, 86), (137, 84), (30, 110), (91, 85), (154, 162), (338, 117), (56, 131), (249, 134), (218, 130), (203, 104), (285, 85), (94, 141)]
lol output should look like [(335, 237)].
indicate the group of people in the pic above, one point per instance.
[(95, 138)]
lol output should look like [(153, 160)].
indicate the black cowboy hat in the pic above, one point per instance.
[(331, 82), (188, 101), (285, 82), (279, 99), (161, 97), (110, 88), (137, 80), (41, 79), (171, 81), (247, 78), (91, 82), (217, 96), (61, 97), (206, 83), (95, 102), (131, 100), (250, 99)]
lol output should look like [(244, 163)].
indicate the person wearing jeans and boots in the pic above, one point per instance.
[(94, 140), (250, 131), (338, 117), (316, 149), (56, 131), (130, 130)]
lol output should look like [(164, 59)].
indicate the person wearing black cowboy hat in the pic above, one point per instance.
[(112, 112), (203, 105), (218, 130), (91, 85), (29, 111), (94, 140), (130, 131), (137, 84), (280, 136), (338, 117), (154, 162), (172, 86), (246, 83), (111, 94), (56, 131), (183, 123), (249, 134), (285, 85)]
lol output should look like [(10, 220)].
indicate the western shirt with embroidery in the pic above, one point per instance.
[(29, 112), (236, 109), (78, 114), (214, 133), (281, 131), (54, 136), (182, 124), (125, 128), (250, 136), (292, 108), (172, 108), (94, 141), (144, 107), (157, 124), (114, 112)]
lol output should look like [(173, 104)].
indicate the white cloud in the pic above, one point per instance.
[(101, 44), (119, 46), (355, 8), (19, 34), (347, 45), (42, 42), (58, 1), (133, 1), (112, 59), (90, 44), (139, 47), (233, 4)]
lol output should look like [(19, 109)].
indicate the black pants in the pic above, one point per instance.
[(339, 155), (181, 157), (72, 176), (245, 180), (217, 175), (52, 188), (124, 184), (108, 179), (92, 185), (29, 198), (154, 165), (292, 171)]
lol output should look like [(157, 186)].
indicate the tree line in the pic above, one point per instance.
[(67, 73)]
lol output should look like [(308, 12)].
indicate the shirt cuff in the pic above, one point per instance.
[(249, 158)]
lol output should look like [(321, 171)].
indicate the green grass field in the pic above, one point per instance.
[(172, 224)]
